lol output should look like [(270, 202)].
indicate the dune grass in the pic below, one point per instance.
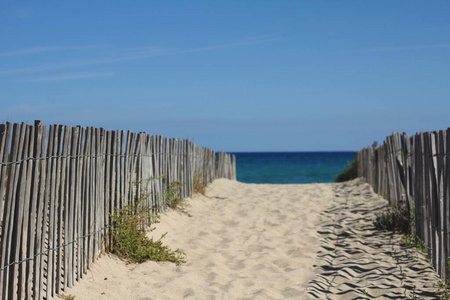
[(130, 227), (349, 173)]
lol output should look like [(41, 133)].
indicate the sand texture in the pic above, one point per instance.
[(249, 241)]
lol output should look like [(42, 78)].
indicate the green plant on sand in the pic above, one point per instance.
[(199, 185), (349, 173), (398, 218), (129, 228), (130, 241), (172, 195), (395, 218), (443, 287), (413, 241)]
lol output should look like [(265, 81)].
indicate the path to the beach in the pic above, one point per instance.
[(248, 241)]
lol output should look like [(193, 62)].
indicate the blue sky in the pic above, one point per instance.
[(230, 75)]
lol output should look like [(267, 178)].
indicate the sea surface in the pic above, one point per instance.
[(290, 167)]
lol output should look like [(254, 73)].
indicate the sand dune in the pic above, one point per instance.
[(248, 241)]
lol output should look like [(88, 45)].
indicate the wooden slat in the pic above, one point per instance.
[(108, 189), (5, 136), (432, 198), (423, 190), (406, 153), (163, 169), (25, 291), (114, 202), (447, 199), (121, 174), (182, 165), (63, 232), (186, 167), (440, 164), (71, 209), (9, 217), (85, 203), (61, 202), (150, 174), (420, 184), (41, 218), (126, 173), (104, 220), (413, 183), (131, 169), (95, 209), (189, 177), (147, 174), (428, 189), (139, 176), (90, 201), (79, 204), (101, 148), (158, 173), (34, 179), (157, 181), (17, 291), (52, 179)]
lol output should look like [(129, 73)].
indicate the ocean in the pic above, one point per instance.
[(290, 167)]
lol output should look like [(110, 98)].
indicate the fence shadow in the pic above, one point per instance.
[(357, 261)]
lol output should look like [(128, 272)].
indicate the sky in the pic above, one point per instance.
[(230, 75)]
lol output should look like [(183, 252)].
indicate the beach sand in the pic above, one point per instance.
[(250, 241)]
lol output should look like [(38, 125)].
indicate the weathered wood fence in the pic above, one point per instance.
[(59, 186), (416, 171)]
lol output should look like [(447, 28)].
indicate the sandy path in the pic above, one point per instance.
[(248, 241)]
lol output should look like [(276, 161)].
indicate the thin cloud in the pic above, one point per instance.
[(142, 51), (32, 108), (66, 77), (80, 63), (232, 45), (388, 49), (128, 54), (33, 50)]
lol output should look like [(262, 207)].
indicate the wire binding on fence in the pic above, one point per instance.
[(51, 249), (91, 156)]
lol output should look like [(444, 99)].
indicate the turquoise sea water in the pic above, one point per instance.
[(290, 167)]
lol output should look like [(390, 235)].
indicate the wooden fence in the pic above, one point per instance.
[(416, 171), (60, 185)]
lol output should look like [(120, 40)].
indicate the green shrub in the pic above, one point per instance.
[(395, 218), (199, 185), (414, 242), (172, 195), (129, 227), (398, 218), (443, 290), (443, 287), (130, 241), (349, 173)]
